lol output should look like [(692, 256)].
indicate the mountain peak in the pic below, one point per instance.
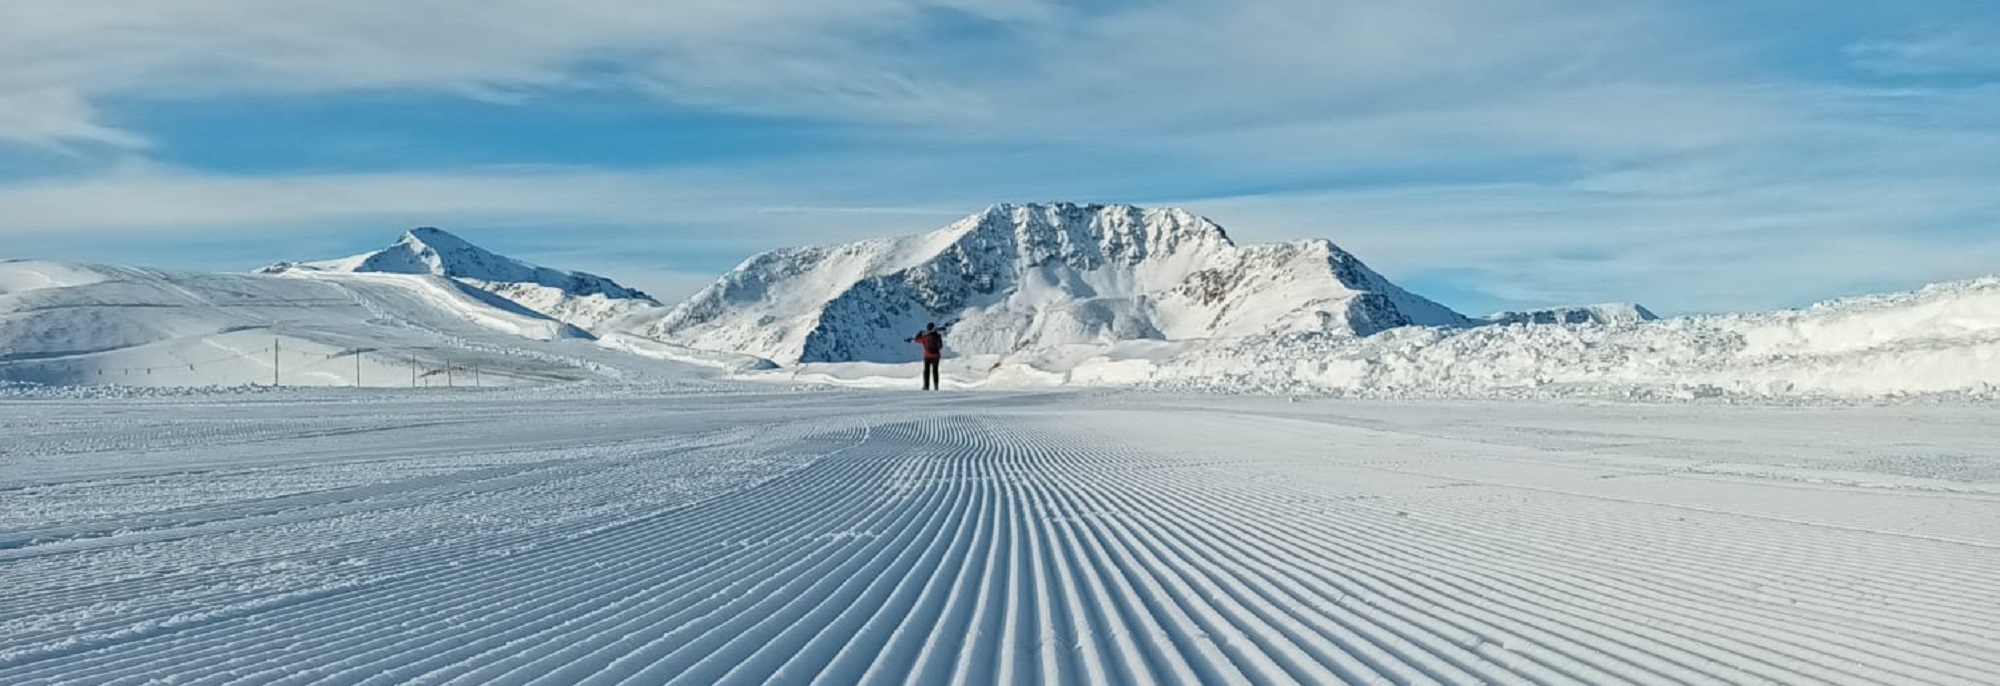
[(573, 297), (1079, 236), (1035, 276), (431, 250), (1097, 219), (435, 238)]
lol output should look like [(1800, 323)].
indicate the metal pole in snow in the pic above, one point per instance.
[(357, 367), (447, 372), (413, 370), (274, 361)]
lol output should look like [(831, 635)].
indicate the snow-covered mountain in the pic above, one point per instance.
[(1609, 313), (1020, 277), (81, 324), (584, 300)]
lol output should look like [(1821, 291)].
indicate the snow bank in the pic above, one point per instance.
[(658, 350), (1941, 340)]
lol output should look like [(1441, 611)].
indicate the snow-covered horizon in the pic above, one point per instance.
[(1042, 296)]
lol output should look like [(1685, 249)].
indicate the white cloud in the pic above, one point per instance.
[(57, 118)]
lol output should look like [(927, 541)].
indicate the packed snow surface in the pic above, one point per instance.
[(598, 535), (1030, 277)]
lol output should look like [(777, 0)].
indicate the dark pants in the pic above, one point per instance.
[(931, 380)]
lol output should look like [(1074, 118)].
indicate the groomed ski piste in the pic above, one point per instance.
[(734, 533), (281, 478)]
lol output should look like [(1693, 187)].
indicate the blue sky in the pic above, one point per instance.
[(1693, 156)]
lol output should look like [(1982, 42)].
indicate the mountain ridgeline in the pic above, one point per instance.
[(1012, 278), (1025, 277), (584, 300)]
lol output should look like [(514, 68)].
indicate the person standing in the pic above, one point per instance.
[(932, 339)]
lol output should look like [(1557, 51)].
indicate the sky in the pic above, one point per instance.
[(1690, 155)]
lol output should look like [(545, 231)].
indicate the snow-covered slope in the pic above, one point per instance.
[(90, 324), (1024, 277), (1609, 313), (1941, 339), (585, 300)]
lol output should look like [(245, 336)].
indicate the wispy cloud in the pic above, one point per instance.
[(1672, 246), (58, 119), (1962, 49), (141, 200), (739, 53)]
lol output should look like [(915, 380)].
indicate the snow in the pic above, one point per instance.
[(1607, 313), (639, 534), (1025, 277), (94, 324), (1043, 296), (1944, 339), (22, 276), (1160, 458), (646, 347), (587, 301)]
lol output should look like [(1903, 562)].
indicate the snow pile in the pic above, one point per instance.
[(1030, 277), (1943, 340), (587, 301)]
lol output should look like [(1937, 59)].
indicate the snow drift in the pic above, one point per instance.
[(1027, 277)]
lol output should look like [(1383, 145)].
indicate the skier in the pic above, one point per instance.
[(932, 338)]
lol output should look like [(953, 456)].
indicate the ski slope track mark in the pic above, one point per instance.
[(842, 538)]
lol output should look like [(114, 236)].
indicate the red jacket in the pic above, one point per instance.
[(933, 343)]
